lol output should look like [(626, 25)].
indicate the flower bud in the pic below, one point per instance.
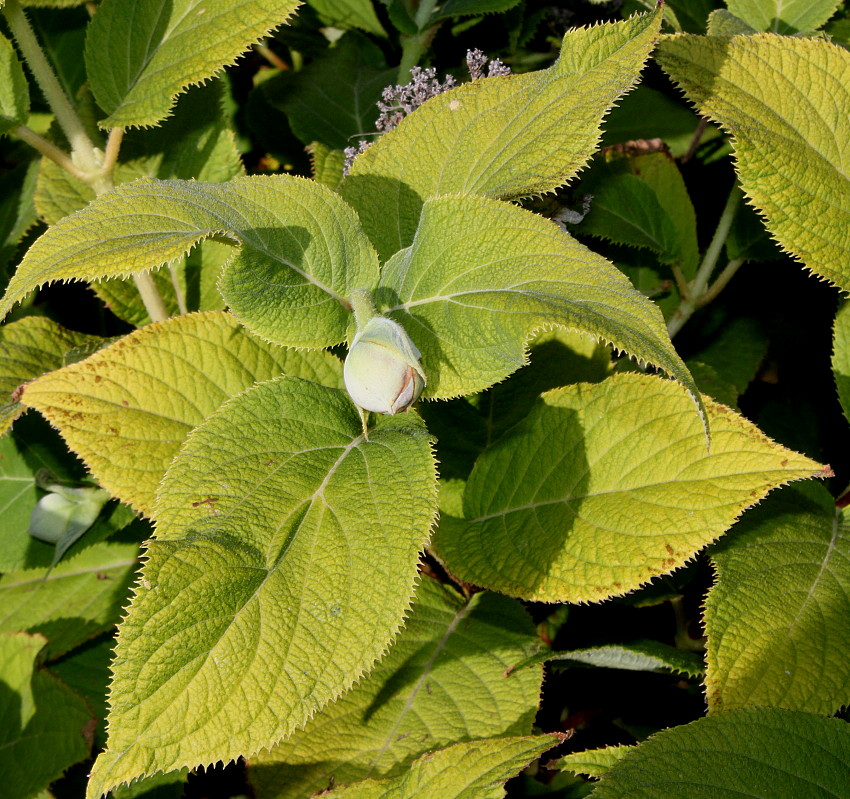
[(382, 371)]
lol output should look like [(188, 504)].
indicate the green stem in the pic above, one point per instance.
[(413, 47), (66, 116), (363, 307), (49, 150), (698, 287), (151, 297)]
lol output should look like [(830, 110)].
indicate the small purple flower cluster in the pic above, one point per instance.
[(398, 101)]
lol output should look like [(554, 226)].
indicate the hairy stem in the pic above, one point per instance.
[(66, 116), (151, 297), (363, 307), (178, 292), (698, 287), (49, 150)]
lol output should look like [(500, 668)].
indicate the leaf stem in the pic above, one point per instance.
[(49, 150), (113, 146), (363, 307), (151, 297), (178, 292), (697, 289), (66, 116)]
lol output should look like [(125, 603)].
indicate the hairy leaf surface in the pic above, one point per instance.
[(284, 561), (604, 486), (127, 409), (443, 681), (783, 100), (78, 599), (473, 770), (776, 618), (44, 723), (29, 348), (503, 137), (482, 275), (302, 249), (638, 656), (784, 16), (592, 762), (759, 752), (140, 56), (14, 91)]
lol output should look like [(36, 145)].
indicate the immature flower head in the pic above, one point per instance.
[(382, 371)]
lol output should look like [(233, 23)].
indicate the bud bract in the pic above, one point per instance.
[(382, 371)]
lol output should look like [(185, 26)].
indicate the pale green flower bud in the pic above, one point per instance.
[(382, 371)]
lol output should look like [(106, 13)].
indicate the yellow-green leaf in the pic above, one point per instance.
[(776, 619), (14, 91), (474, 770), (504, 137), (784, 16), (592, 762), (284, 562), (141, 55), (29, 348), (127, 409), (444, 680), (604, 486), (783, 99)]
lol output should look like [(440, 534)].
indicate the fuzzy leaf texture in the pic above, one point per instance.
[(14, 91), (776, 620), (482, 275), (591, 762), (783, 101), (474, 770), (763, 753), (637, 656), (140, 55), (302, 249), (784, 16), (506, 137), (604, 486), (284, 561), (44, 723), (29, 348), (127, 409), (443, 681)]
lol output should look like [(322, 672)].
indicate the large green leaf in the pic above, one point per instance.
[(302, 248), (784, 16), (482, 275), (29, 348), (776, 620), (14, 91), (127, 409), (443, 681), (284, 561), (77, 600), (502, 137), (474, 770), (762, 753), (140, 56), (46, 727), (604, 486), (782, 99), (333, 98)]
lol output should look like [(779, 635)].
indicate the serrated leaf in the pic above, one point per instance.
[(784, 16), (841, 358), (80, 598), (347, 14), (327, 165), (302, 248), (482, 275), (748, 238), (443, 681), (473, 770), (505, 137), (776, 618), (638, 656), (29, 348), (723, 23), (332, 100), (294, 541), (641, 200), (592, 762), (759, 752), (468, 8), (604, 486), (44, 723), (781, 98), (14, 91), (138, 62), (127, 409)]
